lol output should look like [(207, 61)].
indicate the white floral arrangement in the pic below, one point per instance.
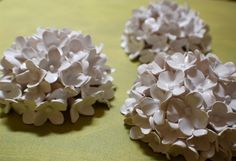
[(53, 71), (185, 104), (164, 27)]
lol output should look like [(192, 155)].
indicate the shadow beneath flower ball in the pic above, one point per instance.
[(2, 115), (14, 123)]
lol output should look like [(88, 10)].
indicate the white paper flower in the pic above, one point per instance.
[(225, 72), (164, 27), (27, 109), (227, 94), (179, 105), (33, 75), (187, 113), (220, 118), (53, 71), (52, 64), (8, 93), (73, 76), (50, 110), (205, 142), (83, 106), (182, 62), (171, 82)]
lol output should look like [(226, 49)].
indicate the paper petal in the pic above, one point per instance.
[(56, 118), (135, 133)]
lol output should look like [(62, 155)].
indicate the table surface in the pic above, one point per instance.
[(104, 136)]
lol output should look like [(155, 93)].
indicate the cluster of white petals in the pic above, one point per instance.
[(164, 27), (51, 72), (185, 104)]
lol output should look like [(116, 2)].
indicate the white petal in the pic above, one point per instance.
[(23, 78), (169, 138), (54, 56), (74, 115), (219, 108), (179, 77), (200, 132), (159, 117), (29, 53), (73, 76), (196, 77), (20, 42), (166, 77), (149, 106), (56, 118), (58, 104), (51, 77), (210, 153), (18, 107), (86, 110), (194, 100), (191, 154), (200, 118), (49, 38), (178, 90), (175, 110), (128, 106), (40, 118), (233, 104), (28, 117), (231, 118), (157, 93), (185, 126), (75, 45), (135, 133), (146, 56), (145, 130), (9, 90)]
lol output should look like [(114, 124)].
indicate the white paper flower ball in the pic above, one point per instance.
[(185, 104), (53, 71), (164, 27)]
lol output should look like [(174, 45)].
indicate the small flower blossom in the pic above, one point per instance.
[(27, 109), (73, 76), (83, 106), (33, 76), (220, 118), (188, 115), (171, 82), (8, 93), (50, 110), (52, 64), (182, 62), (226, 94), (204, 141), (225, 72)]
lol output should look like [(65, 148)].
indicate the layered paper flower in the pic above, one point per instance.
[(184, 104), (53, 71), (164, 27)]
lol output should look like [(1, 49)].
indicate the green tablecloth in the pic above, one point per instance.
[(103, 137)]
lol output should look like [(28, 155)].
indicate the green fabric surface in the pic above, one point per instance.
[(104, 136)]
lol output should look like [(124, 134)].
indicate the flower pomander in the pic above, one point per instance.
[(53, 71), (164, 27), (185, 104)]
